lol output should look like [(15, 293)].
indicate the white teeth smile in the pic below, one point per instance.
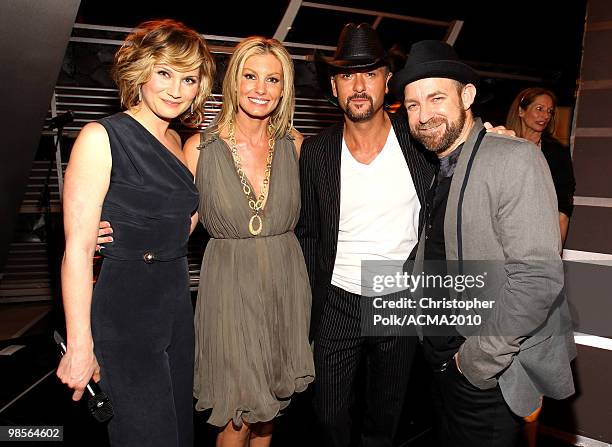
[(261, 102)]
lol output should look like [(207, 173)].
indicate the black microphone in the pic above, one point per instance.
[(98, 403), (61, 120)]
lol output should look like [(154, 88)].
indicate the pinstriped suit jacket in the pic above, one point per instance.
[(317, 229)]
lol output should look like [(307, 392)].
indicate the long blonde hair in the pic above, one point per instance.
[(163, 42), (281, 118)]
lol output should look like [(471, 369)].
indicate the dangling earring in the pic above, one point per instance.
[(139, 94), (191, 109)]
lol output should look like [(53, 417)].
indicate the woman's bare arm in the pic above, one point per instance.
[(85, 186)]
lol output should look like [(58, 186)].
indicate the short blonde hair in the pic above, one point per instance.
[(163, 42), (281, 118)]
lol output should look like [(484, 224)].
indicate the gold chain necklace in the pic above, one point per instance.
[(256, 222)]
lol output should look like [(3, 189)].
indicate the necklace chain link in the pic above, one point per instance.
[(255, 203)]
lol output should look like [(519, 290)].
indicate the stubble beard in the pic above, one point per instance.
[(361, 115)]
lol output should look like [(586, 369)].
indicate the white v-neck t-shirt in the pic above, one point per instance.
[(379, 213)]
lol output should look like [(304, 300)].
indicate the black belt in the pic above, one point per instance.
[(147, 255)]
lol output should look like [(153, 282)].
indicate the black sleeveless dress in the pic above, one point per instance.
[(142, 318)]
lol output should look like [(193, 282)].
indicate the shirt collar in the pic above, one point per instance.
[(449, 162)]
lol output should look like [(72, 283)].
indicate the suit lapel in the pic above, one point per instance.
[(331, 169), (450, 217)]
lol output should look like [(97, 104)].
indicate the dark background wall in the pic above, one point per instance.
[(33, 39), (589, 244)]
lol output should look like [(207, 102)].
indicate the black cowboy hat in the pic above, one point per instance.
[(431, 59), (358, 48)]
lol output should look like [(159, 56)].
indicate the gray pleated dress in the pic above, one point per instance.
[(253, 308)]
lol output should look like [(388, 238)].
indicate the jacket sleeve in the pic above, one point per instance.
[(526, 221)]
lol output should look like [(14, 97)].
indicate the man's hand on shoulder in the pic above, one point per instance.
[(501, 130)]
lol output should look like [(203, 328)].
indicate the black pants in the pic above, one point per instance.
[(338, 351), (142, 324), (466, 416)]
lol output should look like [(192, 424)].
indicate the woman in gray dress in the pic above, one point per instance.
[(253, 308)]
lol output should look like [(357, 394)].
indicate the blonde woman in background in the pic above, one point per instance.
[(531, 116)]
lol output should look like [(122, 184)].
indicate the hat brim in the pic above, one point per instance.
[(326, 67), (448, 69), (353, 63)]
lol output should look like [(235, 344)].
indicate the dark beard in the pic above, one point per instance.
[(363, 115), (435, 143)]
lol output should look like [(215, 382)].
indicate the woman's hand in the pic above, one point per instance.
[(105, 232), (76, 368)]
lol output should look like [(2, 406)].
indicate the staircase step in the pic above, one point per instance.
[(36, 291), (23, 284)]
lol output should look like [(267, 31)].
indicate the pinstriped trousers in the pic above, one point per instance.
[(339, 349)]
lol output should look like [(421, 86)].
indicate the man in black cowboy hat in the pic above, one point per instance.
[(363, 183), (493, 200)]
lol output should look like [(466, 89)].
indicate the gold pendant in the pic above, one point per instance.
[(252, 230)]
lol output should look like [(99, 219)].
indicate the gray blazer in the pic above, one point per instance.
[(509, 215)]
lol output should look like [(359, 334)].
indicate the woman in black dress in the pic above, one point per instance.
[(135, 330), (531, 116)]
